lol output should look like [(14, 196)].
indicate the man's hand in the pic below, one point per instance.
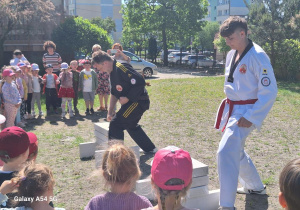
[(244, 123), (110, 116), (123, 100)]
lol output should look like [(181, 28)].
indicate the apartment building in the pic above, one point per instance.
[(97, 8), (220, 10)]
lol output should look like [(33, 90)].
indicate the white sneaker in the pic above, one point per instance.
[(63, 114), (41, 113), (28, 117), (33, 113), (152, 151), (244, 190)]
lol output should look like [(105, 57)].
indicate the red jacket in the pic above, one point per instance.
[(55, 78)]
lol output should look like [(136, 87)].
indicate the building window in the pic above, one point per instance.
[(215, 7), (226, 12), (219, 12), (215, 18)]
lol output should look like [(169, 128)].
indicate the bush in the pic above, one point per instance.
[(287, 59)]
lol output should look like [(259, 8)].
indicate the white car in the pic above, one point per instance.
[(174, 57), (140, 65)]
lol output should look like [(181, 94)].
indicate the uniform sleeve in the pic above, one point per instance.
[(266, 92), (137, 84)]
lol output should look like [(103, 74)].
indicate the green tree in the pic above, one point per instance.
[(222, 46), (206, 36), (173, 18), (78, 34), (152, 48), (108, 24), (18, 15)]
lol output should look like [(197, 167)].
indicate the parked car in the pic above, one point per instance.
[(203, 61), (140, 65), (169, 51), (174, 57)]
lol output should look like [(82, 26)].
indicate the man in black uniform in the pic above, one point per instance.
[(128, 87)]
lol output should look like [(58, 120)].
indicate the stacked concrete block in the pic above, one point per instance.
[(101, 132), (199, 195)]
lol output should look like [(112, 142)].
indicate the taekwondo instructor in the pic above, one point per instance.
[(250, 88), (127, 87)]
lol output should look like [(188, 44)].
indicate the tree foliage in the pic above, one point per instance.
[(173, 19), (78, 34), (108, 24), (222, 46), (22, 15), (206, 36), (271, 21), (287, 65)]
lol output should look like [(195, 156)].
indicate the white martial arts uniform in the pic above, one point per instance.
[(253, 79)]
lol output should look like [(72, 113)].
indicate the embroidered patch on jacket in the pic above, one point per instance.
[(119, 88), (265, 72), (243, 69), (133, 81), (265, 81)]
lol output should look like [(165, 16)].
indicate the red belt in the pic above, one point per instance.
[(231, 103)]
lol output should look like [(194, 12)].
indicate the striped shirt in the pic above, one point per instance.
[(54, 60), (123, 201)]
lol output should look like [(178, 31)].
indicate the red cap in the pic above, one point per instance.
[(7, 73), (87, 61), (14, 141), (169, 163), (33, 146)]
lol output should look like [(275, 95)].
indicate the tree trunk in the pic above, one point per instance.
[(164, 39), (1, 52)]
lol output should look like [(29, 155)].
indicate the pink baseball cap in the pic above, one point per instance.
[(169, 163), (8, 73)]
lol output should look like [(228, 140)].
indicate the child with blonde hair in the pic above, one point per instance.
[(66, 91), (36, 86), (289, 183), (11, 96), (36, 182), (120, 171), (171, 177)]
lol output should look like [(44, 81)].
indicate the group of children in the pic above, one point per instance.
[(171, 177), (21, 86)]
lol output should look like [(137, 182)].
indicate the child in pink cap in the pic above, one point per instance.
[(171, 177)]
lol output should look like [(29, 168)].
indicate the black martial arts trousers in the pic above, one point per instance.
[(127, 118)]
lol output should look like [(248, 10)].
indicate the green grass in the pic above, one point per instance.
[(182, 113)]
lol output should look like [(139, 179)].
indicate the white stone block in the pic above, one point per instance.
[(209, 201), (198, 191), (87, 149), (102, 127), (199, 169), (143, 187), (100, 138), (99, 157), (136, 150)]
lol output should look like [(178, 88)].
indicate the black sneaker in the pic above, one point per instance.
[(87, 111), (92, 111)]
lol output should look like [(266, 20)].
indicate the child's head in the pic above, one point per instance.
[(35, 69), (18, 72), (96, 47), (171, 173), (8, 74), (49, 69), (117, 46), (87, 64), (49, 46), (74, 64), (14, 144), (18, 53), (289, 183), (64, 66), (22, 66), (119, 165), (33, 147), (35, 180)]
